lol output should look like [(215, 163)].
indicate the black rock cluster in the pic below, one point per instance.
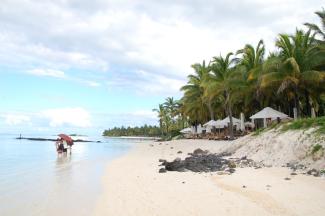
[(199, 161)]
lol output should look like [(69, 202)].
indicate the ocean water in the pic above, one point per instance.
[(35, 180)]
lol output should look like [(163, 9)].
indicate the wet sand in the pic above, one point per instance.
[(133, 186)]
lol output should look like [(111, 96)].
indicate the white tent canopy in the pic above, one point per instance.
[(186, 130), (234, 120), (210, 123), (268, 112), (220, 124)]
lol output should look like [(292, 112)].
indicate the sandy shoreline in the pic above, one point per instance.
[(133, 186)]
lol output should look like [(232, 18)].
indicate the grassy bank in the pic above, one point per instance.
[(300, 124)]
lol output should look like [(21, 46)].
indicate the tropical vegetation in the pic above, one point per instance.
[(144, 131), (290, 79)]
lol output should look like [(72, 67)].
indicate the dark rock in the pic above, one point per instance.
[(244, 186), (183, 182), (232, 164), (293, 173), (313, 172), (199, 152), (287, 178), (198, 163), (171, 147), (268, 186), (295, 166), (179, 152), (162, 170), (203, 161), (243, 158)]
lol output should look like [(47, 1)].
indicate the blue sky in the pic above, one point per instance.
[(82, 66)]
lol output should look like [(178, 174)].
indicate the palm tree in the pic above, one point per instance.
[(295, 67), (161, 115), (251, 64), (195, 104), (223, 82), (318, 30), (171, 105)]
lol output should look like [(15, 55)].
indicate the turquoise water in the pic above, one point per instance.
[(35, 180)]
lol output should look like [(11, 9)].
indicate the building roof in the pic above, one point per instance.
[(268, 112)]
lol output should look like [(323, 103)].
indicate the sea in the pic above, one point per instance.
[(35, 180)]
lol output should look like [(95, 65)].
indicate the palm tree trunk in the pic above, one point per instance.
[(231, 131), (297, 102), (210, 110), (308, 108), (161, 127)]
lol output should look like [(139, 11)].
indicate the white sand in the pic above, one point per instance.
[(277, 148), (133, 186)]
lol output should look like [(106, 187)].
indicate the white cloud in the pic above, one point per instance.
[(75, 117), (105, 37), (47, 72), (16, 119), (134, 118), (148, 114), (91, 83)]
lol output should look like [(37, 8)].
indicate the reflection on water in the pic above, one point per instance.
[(35, 180)]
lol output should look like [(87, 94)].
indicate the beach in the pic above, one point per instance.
[(132, 185)]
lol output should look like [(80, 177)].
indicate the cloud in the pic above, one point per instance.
[(47, 72), (145, 83), (75, 117), (107, 38), (133, 118), (90, 83), (16, 119)]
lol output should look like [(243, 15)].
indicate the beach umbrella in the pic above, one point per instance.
[(186, 130), (210, 123), (235, 121), (268, 112), (67, 138), (220, 124)]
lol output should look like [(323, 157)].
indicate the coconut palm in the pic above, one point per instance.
[(295, 68), (162, 115), (223, 83), (195, 104), (171, 106), (318, 30), (250, 64)]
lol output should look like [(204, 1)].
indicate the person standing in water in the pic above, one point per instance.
[(59, 146)]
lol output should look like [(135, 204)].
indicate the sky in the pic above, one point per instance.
[(80, 66)]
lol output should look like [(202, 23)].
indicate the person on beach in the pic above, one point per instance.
[(59, 146), (65, 146)]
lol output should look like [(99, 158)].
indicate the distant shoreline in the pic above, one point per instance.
[(46, 139), (133, 137)]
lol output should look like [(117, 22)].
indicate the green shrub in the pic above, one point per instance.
[(306, 123), (316, 148), (258, 131)]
